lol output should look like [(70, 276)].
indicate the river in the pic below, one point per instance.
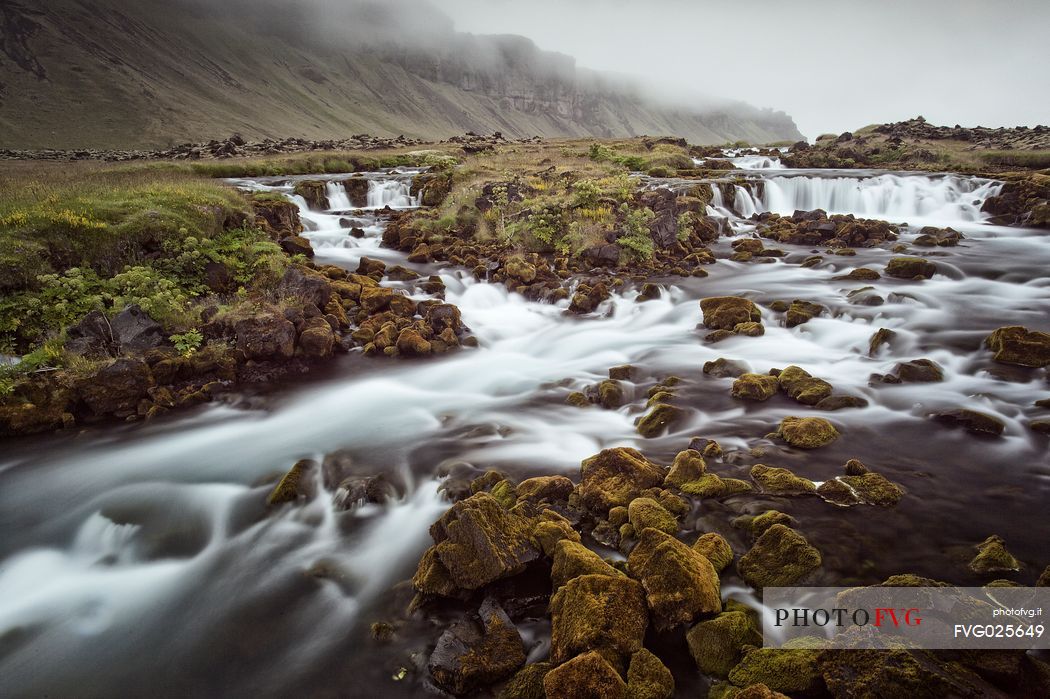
[(141, 560)]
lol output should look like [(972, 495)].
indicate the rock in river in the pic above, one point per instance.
[(725, 312), (598, 612), (1019, 345), (477, 542), (473, 654), (781, 557), (807, 432), (680, 584)]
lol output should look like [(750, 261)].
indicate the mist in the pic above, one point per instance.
[(833, 65)]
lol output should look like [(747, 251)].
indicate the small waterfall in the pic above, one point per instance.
[(892, 197), (397, 194), (338, 200), (757, 162)]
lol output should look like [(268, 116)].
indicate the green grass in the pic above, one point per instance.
[(1029, 159), (80, 237)]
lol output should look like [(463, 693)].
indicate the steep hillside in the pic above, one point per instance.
[(108, 73)]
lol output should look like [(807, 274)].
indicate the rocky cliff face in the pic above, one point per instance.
[(104, 73)]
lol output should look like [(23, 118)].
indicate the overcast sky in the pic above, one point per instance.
[(833, 65)]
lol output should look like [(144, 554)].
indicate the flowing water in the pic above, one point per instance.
[(141, 560)]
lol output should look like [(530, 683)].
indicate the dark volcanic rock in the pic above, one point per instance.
[(473, 654)]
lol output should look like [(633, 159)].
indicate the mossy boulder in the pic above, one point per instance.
[(587, 676), (726, 312), (527, 683), (779, 558), (800, 312), (550, 489), (866, 488), (910, 268), (410, 343), (801, 386), (598, 612), (519, 270), (725, 368), (714, 548), (625, 372), (1018, 345), (615, 477), (919, 371), (647, 512), (474, 654), (610, 394), (792, 671), (296, 484), (578, 399), (717, 645), (781, 481), (572, 559), (118, 387), (807, 432), (711, 485), (648, 677), (662, 417), (478, 541), (688, 465), (680, 584), (992, 557), (550, 529), (757, 387)]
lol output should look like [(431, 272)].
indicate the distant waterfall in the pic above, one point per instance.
[(890, 197), (397, 194), (757, 162)]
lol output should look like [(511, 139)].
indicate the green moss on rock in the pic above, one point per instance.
[(781, 670), (807, 432), (680, 584), (588, 676), (688, 465), (598, 612), (647, 512), (527, 683), (757, 387), (662, 417), (714, 548), (780, 557), (648, 677), (717, 645), (295, 484), (726, 312), (616, 476), (992, 557), (1018, 345), (781, 481), (572, 559), (711, 485), (803, 387)]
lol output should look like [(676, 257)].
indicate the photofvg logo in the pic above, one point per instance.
[(918, 617)]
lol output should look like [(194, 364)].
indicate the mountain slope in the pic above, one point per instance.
[(107, 73)]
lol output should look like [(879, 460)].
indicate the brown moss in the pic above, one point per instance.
[(588, 676), (781, 481), (648, 677), (680, 584), (647, 512), (757, 387), (615, 477), (807, 432), (780, 557), (598, 612), (714, 548), (572, 559), (717, 645)]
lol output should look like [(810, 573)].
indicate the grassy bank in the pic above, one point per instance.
[(81, 237)]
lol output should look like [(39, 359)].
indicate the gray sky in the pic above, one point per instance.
[(833, 65)]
